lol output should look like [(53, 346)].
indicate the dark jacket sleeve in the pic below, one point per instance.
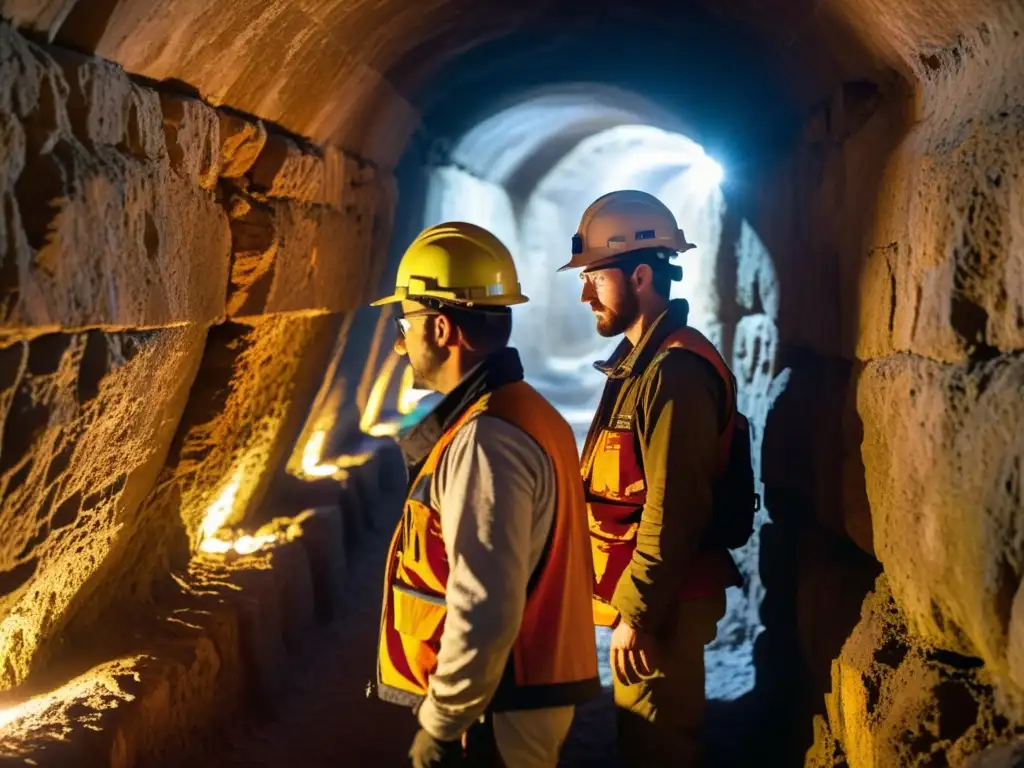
[(678, 427)]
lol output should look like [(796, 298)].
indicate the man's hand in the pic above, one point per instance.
[(428, 752), (632, 654)]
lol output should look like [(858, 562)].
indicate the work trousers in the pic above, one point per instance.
[(530, 738), (661, 716)]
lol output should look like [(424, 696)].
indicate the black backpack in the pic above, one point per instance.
[(735, 503)]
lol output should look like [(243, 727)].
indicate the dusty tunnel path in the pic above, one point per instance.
[(324, 718)]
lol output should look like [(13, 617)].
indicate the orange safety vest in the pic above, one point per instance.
[(617, 490), (554, 659)]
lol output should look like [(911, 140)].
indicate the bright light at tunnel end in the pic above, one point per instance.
[(709, 172)]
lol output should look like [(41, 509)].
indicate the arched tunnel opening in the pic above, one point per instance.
[(198, 473)]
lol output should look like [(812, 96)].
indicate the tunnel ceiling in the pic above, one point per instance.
[(715, 77), (331, 69), (531, 131)]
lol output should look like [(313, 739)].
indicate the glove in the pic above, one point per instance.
[(428, 752)]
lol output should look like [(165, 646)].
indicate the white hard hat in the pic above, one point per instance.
[(624, 221)]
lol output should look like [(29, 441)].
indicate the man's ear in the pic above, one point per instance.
[(642, 275), (444, 331)]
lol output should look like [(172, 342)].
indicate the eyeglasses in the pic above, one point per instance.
[(403, 325), (595, 279)]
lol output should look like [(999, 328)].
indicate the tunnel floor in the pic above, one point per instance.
[(324, 718)]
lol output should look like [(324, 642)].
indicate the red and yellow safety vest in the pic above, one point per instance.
[(554, 658), (617, 490)]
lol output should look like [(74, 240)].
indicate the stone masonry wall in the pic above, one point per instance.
[(167, 271), (895, 444)]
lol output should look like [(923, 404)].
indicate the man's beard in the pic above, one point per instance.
[(611, 323), (426, 366)]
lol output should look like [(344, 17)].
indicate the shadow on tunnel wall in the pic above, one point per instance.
[(814, 577), (814, 212), (764, 720)]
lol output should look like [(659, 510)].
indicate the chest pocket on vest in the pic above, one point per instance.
[(416, 525), (616, 474), (418, 615), (422, 559), (417, 530)]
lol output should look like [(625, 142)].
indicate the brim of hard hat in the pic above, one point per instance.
[(503, 301), (599, 264), (392, 299), (609, 260), (571, 265)]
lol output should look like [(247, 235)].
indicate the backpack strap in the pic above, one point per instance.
[(694, 341)]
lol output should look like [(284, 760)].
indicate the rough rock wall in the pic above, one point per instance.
[(896, 701), (944, 331), (895, 442), (172, 278)]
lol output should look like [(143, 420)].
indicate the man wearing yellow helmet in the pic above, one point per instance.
[(655, 451), (485, 627)]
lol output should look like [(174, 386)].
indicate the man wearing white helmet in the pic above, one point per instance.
[(485, 624), (653, 464)]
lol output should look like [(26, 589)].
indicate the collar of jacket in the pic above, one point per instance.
[(626, 358), (501, 368)]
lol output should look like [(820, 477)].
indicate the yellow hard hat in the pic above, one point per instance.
[(620, 222), (457, 263)]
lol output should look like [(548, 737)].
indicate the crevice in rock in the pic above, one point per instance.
[(26, 419), (39, 191), (873, 686), (892, 653), (254, 249), (969, 320), (9, 251), (11, 360), (211, 388), (67, 512), (43, 511), (954, 660), (892, 298), (151, 237), (59, 463), (93, 366), (133, 144), (85, 25), (46, 352), (957, 710), (16, 577), (107, 491), (17, 479), (38, 538)]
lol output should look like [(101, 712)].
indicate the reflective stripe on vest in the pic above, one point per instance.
[(554, 658), (617, 490)]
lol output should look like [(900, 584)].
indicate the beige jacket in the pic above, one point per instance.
[(495, 491)]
